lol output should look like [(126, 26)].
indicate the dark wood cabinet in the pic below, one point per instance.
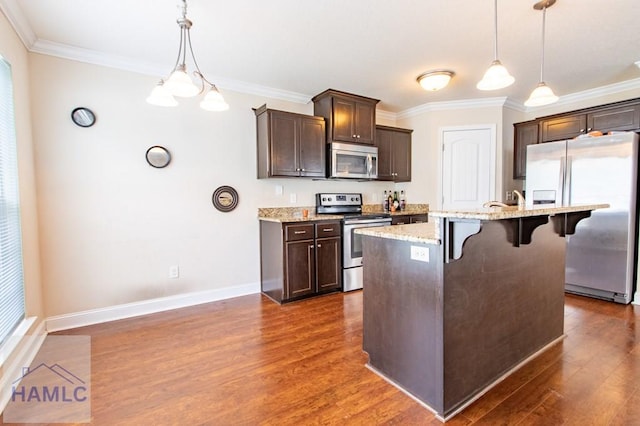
[(525, 134), (621, 118), (350, 118), (560, 128), (394, 153), (617, 116), (299, 260), (409, 218), (290, 144)]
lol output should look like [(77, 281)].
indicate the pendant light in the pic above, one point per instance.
[(179, 83), (542, 94), (497, 76)]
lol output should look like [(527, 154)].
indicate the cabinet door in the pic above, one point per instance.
[(343, 113), (401, 148), (328, 263), (525, 134), (557, 129), (283, 140), (300, 268), (364, 122), (615, 119), (312, 147), (385, 160)]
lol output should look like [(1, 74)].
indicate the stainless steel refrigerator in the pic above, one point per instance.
[(601, 254)]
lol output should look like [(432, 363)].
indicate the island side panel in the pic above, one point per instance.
[(402, 316), (501, 305)]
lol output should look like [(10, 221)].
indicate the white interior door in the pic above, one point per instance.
[(468, 166)]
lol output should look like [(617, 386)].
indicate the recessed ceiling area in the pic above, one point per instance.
[(375, 48)]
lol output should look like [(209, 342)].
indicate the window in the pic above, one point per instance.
[(11, 273)]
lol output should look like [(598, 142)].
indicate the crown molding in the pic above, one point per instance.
[(587, 95), (448, 105), (18, 21)]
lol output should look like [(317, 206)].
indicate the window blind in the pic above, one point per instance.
[(11, 271)]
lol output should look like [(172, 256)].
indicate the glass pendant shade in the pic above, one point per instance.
[(496, 77), (160, 96), (180, 84), (213, 101), (541, 95), (435, 80)]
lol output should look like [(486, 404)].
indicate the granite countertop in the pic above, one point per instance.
[(513, 212), (294, 214), (429, 233), (426, 233)]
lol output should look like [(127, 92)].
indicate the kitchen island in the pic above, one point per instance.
[(453, 306)]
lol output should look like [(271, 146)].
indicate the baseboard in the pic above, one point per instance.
[(145, 307), (636, 298), (24, 355)]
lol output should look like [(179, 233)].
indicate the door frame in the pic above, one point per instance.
[(492, 157)]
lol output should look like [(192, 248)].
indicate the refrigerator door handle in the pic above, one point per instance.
[(567, 182), (560, 195)]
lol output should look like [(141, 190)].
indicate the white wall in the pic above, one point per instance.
[(111, 225)]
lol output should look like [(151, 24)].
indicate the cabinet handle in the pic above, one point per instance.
[(589, 129), (327, 229), (302, 170), (299, 232), (581, 130), (354, 136), (310, 246), (319, 245), (358, 136)]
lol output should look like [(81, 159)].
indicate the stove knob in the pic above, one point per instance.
[(329, 198), (324, 198)]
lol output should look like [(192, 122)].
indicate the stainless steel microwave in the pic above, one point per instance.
[(353, 161)]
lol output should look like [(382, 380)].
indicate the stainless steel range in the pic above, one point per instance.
[(350, 205)]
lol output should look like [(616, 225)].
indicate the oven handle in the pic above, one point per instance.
[(383, 222)]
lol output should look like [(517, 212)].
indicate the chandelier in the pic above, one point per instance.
[(179, 83)]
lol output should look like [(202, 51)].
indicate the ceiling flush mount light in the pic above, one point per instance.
[(179, 83), (497, 76), (435, 80), (542, 94)]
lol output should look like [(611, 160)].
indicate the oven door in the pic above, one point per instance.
[(352, 244)]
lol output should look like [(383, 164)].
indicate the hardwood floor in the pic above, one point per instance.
[(249, 361)]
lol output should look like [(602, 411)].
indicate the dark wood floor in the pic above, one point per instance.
[(249, 361)]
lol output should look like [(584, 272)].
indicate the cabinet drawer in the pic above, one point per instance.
[(419, 218), (298, 232), (329, 229), (400, 220)]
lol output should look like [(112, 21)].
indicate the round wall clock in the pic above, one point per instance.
[(83, 117), (225, 198), (158, 157)]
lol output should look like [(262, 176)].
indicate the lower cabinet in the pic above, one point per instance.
[(408, 219), (300, 260)]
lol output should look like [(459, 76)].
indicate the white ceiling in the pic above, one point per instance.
[(294, 49)]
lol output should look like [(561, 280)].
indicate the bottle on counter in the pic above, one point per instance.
[(385, 202), (396, 201), (403, 202), (392, 208)]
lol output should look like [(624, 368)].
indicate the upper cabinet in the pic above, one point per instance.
[(525, 134), (614, 117), (350, 118), (290, 144), (621, 116), (394, 153)]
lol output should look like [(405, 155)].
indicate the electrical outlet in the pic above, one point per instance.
[(279, 189), (509, 196), (420, 253), (293, 198), (174, 271)]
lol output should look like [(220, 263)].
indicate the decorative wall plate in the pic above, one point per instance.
[(158, 157), (225, 198), (83, 117)]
